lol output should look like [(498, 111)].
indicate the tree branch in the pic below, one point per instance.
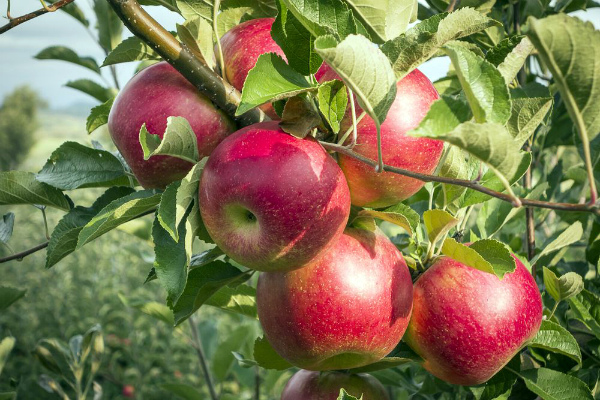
[(209, 83), (24, 18), (23, 254)]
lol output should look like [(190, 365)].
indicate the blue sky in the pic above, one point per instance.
[(19, 45)]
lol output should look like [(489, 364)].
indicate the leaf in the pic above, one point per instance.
[(333, 100), (170, 262), (296, 41), (482, 83), (154, 309), (384, 20), (498, 387), (99, 116), (526, 115), (364, 69), (91, 88), (186, 392), (130, 49), (554, 385), (444, 115), (74, 12), (565, 287), (223, 358), (399, 214), (118, 212), (239, 300), (179, 140), (487, 255), (6, 346), (266, 357), (555, 338), (110, 27), (514, 61), (188, 194), (8, 295), (384, 363), (586, 308), (422, 41), (322, 18), (191, 9), (73, 165), (18, 187), (63, 53), (167, 210), (202, 283), (299, 117), (437, 224), (270, 80), (458, 165), (198, 35), (345, 396), (6, 227), (66, 233), (569, 236), (570, 49)]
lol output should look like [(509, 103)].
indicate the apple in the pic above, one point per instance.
[(272, 201), (310, 385), (242, 45), (154, 94), (128, 391), (347, 309), (368, 188), (467, 324)]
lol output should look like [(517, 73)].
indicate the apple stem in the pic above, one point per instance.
[(355, 120), (216, 8)]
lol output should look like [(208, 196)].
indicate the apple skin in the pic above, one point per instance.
[(415, 94), (128, 391), (154, 94), (271, 201), (242, 45), (311, 385), (347, 309), (467, 324)]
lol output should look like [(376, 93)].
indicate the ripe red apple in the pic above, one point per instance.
[(415, 94), (347, 309), (128, 391), (310, 385), (150, 97), (242, 45), (271, 201), (467, 324)]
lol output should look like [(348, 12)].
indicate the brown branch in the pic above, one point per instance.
[(24, 18), (209, 83), (23, 254), (464, 183)]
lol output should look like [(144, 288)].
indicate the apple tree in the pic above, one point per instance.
[(394, 237)]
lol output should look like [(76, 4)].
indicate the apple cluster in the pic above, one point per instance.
[(329, 297)]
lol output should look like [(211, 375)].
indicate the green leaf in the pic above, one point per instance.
[(270, 80), (202, 283), (110, 27), (399, 214), (526, 115), (191, 9), (567, 286), (437, 224), (18, 187), (6, 346), (299, 117), (154, 309), (514, 61), (8, 295), (63, 53), (554, 385), (569, 236), (570, 49), (170, 262), (555, 338), (239, 300), (73, 165), (345, 396), (198, 35), (422, 41), (6, 227), (333, 100), (130, 49), (482, 83), (586, 308), (384, 20), (266, 357), (487, 255), (444, 115), (179, 140), (223, 358), (384, 363), (99, 116), (117, 213), (296, 41), (498, 387), (322, 18), (364, 69), (458, 165), (92, 88), (181, 390), (167, 210), (66, 233)]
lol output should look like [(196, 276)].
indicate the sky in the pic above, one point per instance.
[(19, 45)]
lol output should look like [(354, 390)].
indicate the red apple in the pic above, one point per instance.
[(128, 391), (271, 201), (152, 96), (242, 45), (310, 385), (415, 94), (467, 324), (347, 309)]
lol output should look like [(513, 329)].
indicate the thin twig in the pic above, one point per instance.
[(216, 7), (202, 358), (23, 254), (24, 18)]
